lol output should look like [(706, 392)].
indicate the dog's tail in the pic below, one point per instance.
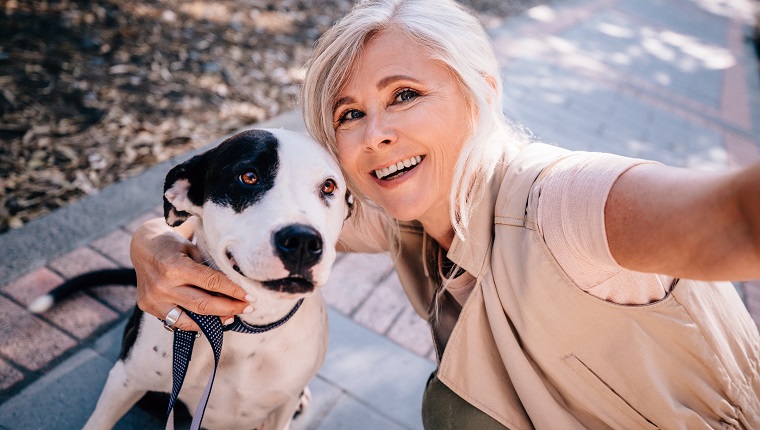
[(84, 281)]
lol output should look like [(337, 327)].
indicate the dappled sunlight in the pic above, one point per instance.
[(665, 56), (617, 80), (615, 30), (699, 152), (655, 47), (542, 13), (554, 98), (570, 109), (714, 159), (561, 45), (549, 84), (663, 79), (221, 13), (610, 47), (687, 53), (736, 9), (580, 61), (621, 58), (711, 57), (571, 55)]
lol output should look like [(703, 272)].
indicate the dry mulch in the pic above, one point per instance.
[(95, 92)]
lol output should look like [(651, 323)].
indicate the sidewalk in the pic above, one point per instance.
[(669, 80)]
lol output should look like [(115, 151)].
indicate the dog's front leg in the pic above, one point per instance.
[(282, 417), (117, 397)]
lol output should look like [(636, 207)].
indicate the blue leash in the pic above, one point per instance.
[(213, 329)]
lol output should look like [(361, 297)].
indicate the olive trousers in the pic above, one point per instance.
[(442, 409)]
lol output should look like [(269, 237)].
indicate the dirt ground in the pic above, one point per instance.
[(95, 92)]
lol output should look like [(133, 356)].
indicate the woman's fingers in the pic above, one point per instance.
[(197, 301), (184, 322), (201, 302), (168, 276), (216, 282), (213, 294)]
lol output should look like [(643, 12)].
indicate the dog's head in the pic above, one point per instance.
[(271, 205)]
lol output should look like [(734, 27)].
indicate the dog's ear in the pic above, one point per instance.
[(349, 204), (183, 190)]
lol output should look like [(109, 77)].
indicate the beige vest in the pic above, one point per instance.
[(533, 350)]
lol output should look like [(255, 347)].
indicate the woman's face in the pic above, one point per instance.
[(400, 123)]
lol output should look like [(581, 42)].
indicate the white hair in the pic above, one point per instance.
[(450, 35)]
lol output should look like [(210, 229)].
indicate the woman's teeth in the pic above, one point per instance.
[(400, 166)]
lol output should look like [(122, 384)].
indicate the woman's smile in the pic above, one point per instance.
[(395, 170)]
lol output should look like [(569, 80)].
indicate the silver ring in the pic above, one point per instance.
[(171, 318)]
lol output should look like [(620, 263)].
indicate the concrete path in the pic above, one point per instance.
[(670, 80)]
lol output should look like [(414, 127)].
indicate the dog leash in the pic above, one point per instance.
[(213, 329)]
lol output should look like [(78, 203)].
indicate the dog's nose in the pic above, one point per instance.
[(299, 246)]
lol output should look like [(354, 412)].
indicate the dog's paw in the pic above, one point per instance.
[(304, 403)]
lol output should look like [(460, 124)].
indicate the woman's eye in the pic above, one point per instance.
[(328, 187), (249, 178), (350, 115), (406, 95)]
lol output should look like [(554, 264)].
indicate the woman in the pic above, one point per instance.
[(556, 283)]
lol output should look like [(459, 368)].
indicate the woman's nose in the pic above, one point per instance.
[(379, 132)]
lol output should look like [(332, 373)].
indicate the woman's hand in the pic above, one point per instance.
[(168, 275)]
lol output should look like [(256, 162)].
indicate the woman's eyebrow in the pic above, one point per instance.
[(388, 80), (342, 101)]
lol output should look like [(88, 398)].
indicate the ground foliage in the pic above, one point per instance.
[(92, 92)]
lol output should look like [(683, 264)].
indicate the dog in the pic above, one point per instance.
[(270, 205)]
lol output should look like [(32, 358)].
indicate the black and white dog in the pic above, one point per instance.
[(270, 205)]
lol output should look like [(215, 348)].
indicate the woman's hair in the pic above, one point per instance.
[(447, 33)]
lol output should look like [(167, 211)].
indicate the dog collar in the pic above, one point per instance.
[(213, 329), (241, 326)]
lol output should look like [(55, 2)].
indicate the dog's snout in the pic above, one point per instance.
[(299, 246)]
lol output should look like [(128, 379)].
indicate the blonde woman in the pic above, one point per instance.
[(560, 286)]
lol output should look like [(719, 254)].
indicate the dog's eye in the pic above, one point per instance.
[(249, 178), (328, 187)]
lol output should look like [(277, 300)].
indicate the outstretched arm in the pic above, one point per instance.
[(686, 223)]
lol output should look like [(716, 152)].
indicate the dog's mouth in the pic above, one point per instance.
[(234, 263), (290, 285)]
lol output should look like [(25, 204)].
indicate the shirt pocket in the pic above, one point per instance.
[(607, 405)]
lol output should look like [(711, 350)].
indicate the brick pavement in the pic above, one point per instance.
[(670, 80)]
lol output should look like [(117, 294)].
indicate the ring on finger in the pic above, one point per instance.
[(171, 318)]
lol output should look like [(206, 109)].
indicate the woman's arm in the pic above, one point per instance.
[(168, 274), (686, 223)]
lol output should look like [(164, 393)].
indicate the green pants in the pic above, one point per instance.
[(442, 409)]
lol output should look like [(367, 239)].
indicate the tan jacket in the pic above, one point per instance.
[(532, 350)]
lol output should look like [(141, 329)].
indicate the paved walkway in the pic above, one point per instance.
[(670, 80)]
